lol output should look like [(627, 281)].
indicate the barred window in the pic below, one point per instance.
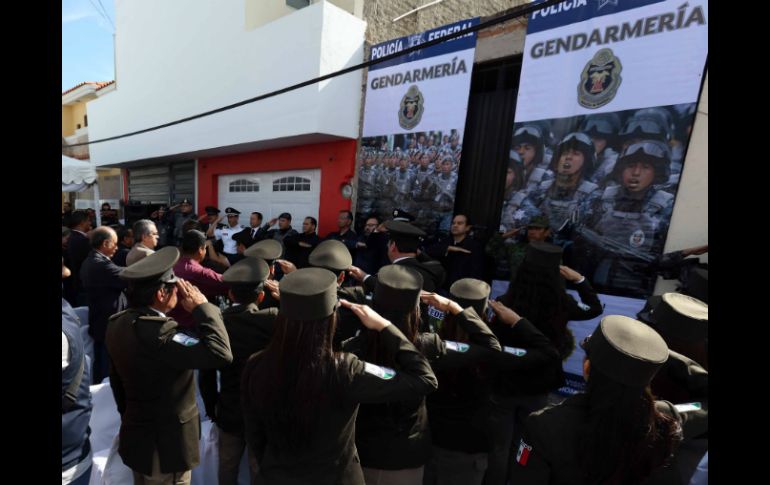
[(291, 184), (244, 185)]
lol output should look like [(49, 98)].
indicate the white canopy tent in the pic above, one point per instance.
[(77, 176)]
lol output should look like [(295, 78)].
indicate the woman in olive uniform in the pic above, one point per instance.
[(300, 398), (615, 432), (538, 293), (459, 409), (393, 438), (250, 329)]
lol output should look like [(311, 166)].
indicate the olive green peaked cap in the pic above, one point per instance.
[(308, 294)]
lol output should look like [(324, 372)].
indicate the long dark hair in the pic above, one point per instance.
[(407, 322), (540, 295), (290, 385), (624, 437)]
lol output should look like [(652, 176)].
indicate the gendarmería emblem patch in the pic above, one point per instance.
[(411, 109), (600, 80), (185, 339), (385, 373), (457, 346), (637, 239)]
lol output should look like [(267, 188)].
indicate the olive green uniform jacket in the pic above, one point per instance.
[(152, 379), (548, 452), (250, 330), (331, 456)]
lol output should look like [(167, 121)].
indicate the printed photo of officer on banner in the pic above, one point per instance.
[(606, 185)]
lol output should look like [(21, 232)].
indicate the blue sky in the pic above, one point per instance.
[(87, 42)]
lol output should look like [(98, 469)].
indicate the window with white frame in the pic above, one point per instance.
[(244, 185), (291, 184)]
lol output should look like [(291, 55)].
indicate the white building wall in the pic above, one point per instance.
[(178, 58)]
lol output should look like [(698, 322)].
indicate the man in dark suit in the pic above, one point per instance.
[(346, 234), (299, 246), (152, 371), (78, 248), (402, 249), (461, 255), (252, 234), (99, 276)]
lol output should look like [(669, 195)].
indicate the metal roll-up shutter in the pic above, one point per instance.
[(149, 185), (182, 181), (162, 184)]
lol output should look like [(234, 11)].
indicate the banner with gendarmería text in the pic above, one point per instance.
[(605, 108), (414, 118)]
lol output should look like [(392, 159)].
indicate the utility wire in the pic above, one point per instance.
[(513, 13), (106, 14)]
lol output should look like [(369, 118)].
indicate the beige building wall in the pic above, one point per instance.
[(261, 12), (67, 124), (379, 15), (71, 116)]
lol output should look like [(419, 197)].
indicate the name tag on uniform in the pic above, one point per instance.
[(515, 351), (184, 339), (435, 313), (688, 407), (456, 346), (384, 373)]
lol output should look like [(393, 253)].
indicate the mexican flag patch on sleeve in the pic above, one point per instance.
[(523, 454)]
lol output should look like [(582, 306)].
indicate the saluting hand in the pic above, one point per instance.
[(440, 303), (357, 273), (286, 266), (570, 274), (274, 288), (504, 314), (189, 295), (370, 318), (697, 250), (272, 221)]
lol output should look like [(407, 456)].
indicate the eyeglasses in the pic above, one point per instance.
[(577, 136), (652, 148), (529, 130), (155, 234)]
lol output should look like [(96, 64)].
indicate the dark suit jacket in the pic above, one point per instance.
[(459, 265), (78, 248), (432, 272), (99, 276), (246, 234), (250, 330)]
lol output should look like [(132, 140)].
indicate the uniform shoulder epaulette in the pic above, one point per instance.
[(153, 318), (118, 315)]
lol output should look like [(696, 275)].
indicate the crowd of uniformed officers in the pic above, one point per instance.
[(387, 383)]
